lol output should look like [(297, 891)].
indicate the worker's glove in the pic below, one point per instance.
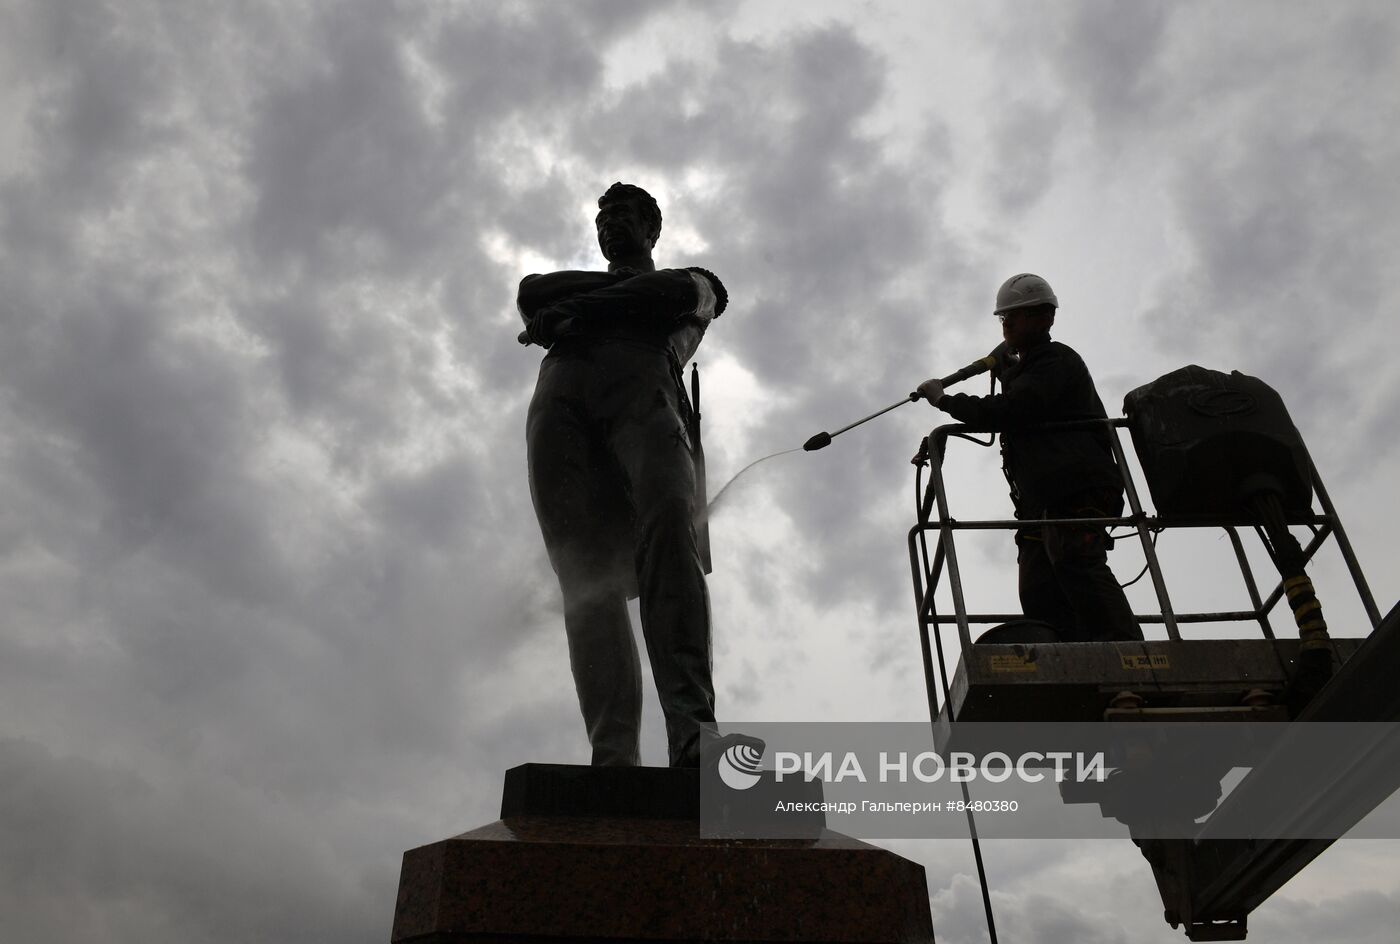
[(721, 296), (931, 390)]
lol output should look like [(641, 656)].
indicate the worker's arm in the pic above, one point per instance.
[(1035, 395)]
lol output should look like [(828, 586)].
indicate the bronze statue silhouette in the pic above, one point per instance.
[(613, 477)]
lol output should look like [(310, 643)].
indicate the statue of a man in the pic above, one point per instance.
[(612, 476)]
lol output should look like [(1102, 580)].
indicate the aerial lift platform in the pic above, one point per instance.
[(1205, 440)]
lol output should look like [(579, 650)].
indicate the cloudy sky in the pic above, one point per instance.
[(275, 604)]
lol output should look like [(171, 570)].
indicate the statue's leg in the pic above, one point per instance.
[(650, 444), (564, 461)]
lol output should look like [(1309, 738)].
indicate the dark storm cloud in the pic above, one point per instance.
[(345, 162), (1110, 57), (96, 850), (361, 161), (1087, 56), (106, 109), (1024, 137)]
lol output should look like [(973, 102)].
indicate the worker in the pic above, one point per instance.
[(1064, 577), (612, 476)]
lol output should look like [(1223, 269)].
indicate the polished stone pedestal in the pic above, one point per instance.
[(616, 855)]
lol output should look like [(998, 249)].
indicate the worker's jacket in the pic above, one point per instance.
[(1047, 469)]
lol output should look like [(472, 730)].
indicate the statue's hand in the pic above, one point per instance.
[(541, 328)]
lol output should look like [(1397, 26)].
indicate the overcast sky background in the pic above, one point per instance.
[(275, 604)]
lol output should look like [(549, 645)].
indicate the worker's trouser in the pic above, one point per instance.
[(613, 483), (1065, 579)]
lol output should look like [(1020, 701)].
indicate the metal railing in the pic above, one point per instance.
[(928, 572)]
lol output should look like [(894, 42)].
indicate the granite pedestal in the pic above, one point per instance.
[(616, 855)]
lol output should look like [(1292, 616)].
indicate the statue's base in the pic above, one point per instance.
[(615, 854)]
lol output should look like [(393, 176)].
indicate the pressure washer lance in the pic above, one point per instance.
[(980, 366)]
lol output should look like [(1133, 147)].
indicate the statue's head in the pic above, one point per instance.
[(628, 222)]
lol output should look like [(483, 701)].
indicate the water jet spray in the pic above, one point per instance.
[(823, 439)]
